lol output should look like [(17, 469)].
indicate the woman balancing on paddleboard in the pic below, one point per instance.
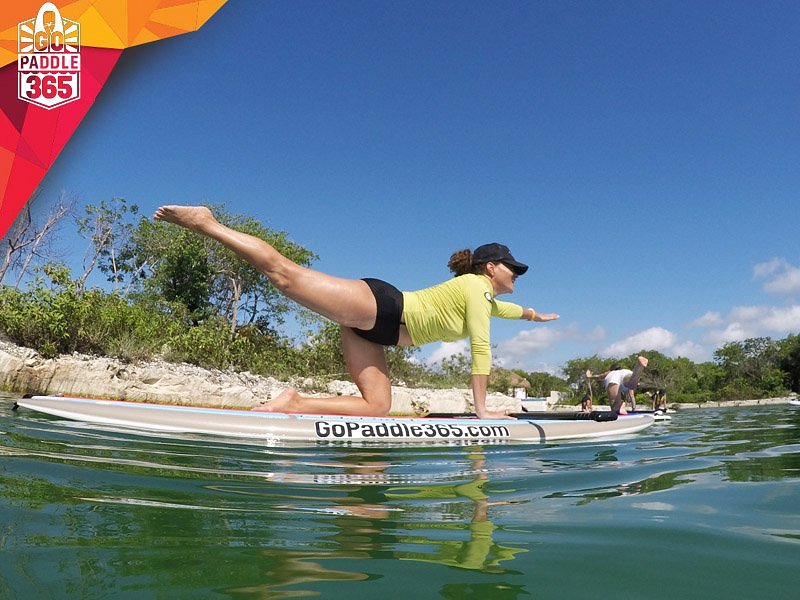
[(620, 384), (373, 314)]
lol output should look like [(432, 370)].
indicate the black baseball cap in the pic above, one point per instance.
[(495, 252)]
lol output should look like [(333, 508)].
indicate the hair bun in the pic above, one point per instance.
[(461, 262)]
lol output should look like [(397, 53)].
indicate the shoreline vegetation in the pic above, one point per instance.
[(23, 370), (183, 319)]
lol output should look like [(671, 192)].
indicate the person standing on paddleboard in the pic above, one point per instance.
[(373, 314)]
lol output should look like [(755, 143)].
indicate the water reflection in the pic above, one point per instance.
[(445, 522), (274, 522), (464, 514)]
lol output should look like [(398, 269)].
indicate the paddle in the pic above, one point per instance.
[(595, 415)]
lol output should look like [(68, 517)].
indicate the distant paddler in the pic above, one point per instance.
[(620, 383)]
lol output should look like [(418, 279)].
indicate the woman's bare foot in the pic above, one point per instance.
[(282, 403), (196, 218)]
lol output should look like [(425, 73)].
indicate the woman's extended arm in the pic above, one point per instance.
[(509, 310), (590, 375), (531, 315)]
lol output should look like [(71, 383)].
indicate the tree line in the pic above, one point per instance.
[(173, 295)]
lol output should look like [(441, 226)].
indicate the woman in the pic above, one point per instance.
[(620, 384), (373, 314)]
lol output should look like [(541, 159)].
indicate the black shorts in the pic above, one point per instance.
[(389, 299)]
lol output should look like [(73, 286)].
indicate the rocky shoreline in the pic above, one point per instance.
[(25, 371)]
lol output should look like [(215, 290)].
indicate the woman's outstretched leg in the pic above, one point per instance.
[(632, 381), (348, 302)]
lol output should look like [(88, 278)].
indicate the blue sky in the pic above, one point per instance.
[(641, 156)]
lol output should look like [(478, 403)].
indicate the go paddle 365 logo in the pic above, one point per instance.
[(49, 58)]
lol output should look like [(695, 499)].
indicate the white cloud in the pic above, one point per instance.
[(448, 349), (786, 283), (710, 319), (654, 338), (747, 313), (519, 350), (755, 321), (659, 339), (596, 334), (781, 276), (734, 332), (544, 367), (534, 341), (782, 320), (765, 269), (691, 350)]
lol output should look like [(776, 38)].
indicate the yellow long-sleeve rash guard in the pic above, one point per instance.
[(459, 308)]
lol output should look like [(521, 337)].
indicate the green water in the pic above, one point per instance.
[(705, 507)]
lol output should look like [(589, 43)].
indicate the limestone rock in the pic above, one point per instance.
[(24, 371)]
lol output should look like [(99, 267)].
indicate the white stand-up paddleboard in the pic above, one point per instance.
[(315, 428)]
